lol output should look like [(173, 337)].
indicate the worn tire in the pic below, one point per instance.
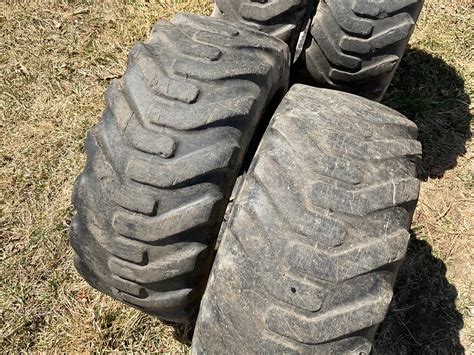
[(317, 232), (357, 45), (162, 162), (283, 19)]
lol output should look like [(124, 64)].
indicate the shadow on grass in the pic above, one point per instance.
[(423, 318), (184, 332), (432, 94)]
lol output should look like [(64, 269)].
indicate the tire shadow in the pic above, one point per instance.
[(432, 94), (423, 318), (183, 332)]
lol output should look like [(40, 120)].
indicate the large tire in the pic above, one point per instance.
[(283, 19), (357, 45), (317, 233), (163, 160)]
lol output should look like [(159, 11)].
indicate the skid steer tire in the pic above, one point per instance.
[(162, 162), (284, 19), (319, 227), (356, 46)]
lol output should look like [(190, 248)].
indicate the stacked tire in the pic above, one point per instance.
[(356, 46), (283, 19), (312, 243), (162, 162), (317, 232)]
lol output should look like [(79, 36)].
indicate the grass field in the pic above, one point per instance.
[(56, 61)]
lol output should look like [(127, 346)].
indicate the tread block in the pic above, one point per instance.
[(157, 300), (375, 149), (120, 247), (128, 286), (364, 200), (165, 174), (374, 69), (329, 42), (286, 286), (265, 11), (182, 261), (322, 327), (185, 117), (148, 141), (300, 293), (348, 262), (394, 29), (376, 122), (137, 202), (204, 115), (191, 69), (159, 81), (234, 36), (346, 19), (152, 229), (117, 103), (380, 9)]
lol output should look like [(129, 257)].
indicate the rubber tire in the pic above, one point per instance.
[(283, 19), (317, 232), (356, 46), (162, 162)]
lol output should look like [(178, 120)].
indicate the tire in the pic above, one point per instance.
[(162, 162), (283, 19), (356, 46), (318, 230)]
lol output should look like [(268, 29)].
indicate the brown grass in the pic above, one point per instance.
[(56, 61)]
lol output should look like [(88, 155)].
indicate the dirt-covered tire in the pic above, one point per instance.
[(319, 227), (162, 162), (283, 19), (357, 45)]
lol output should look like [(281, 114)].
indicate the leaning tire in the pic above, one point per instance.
[(283, 19), (163, 160), (356, 46), (317, 233)]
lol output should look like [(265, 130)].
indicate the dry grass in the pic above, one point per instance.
[(56, 61)]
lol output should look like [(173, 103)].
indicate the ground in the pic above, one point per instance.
[(56, 60)]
